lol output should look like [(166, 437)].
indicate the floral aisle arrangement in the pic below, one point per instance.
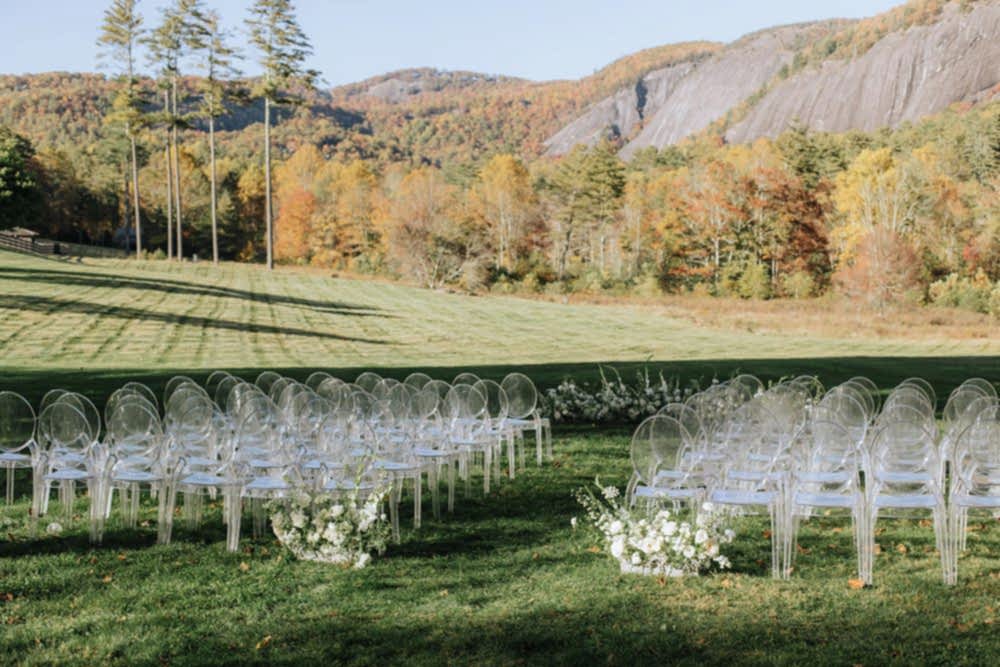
[(614, 400), (344, 531), (655, 541)]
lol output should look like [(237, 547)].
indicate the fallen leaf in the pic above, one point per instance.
[(727, 583), (107, 579), (856, 584), (802, 549), (594, 550), (263, 643), (122, 556), (244, 567), (901, 548), (767, 534), (444, 593)]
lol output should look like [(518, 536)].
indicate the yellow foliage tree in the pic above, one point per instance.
[(505, 200)]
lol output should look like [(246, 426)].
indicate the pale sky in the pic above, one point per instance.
[(355, 39)]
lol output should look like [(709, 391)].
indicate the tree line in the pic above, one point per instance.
[(910, 213)]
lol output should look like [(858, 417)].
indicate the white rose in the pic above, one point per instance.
[(53, 528), (700, 537), (362, 560), (572, 522), (689, 551), (730, 534), (713, 550), (636, 559), (670, 528), (616, 527), (298, 519)]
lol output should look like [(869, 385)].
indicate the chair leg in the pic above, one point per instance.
[(510, 455), (234, 515), (165, 514), (10, 483), (451, 485), (417, 498)]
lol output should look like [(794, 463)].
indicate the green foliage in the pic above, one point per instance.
[(754, 282), (977, 294), (798, 285), (20, 194)]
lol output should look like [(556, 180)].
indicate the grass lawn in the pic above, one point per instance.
[(504, 579), (94, 325)]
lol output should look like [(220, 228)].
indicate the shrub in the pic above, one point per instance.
[(158, 254), (798, 285), (976, 294), (754, 282)]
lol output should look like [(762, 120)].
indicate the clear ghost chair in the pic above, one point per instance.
[(465, 378), (224, 387), (497, 409), (982, 384), (126, 395), (265, 380), (660, 471), (266, 462), (213, 380), (142, 390), (383, 387), (18, 448), (397, 461), (757, 473), (137, 458), (50, 397), (924, 387), (368, 380), (523, 415), (175, 382), (438, 386), (871, 389), (278, 387), (316, 379), (70, 455), (417, 380), (89, 410), (464, 412), (432, 446), (825, 475), (975, 485), (906, 480)]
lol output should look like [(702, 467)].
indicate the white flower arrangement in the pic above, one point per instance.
[(655, 541), (343, 530), (614, 400)]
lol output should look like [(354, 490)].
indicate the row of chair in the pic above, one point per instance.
[(263, 440), (795, 448)]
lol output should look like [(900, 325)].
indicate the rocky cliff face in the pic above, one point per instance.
[(620, 115), (906, 75), (719, 84)]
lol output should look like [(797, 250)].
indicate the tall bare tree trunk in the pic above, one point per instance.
[(170, 185), (135, 200), (267, 183), (177, 174), (211, 153)]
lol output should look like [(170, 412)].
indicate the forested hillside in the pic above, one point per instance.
[(493, 182)]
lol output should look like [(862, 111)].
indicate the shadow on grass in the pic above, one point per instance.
[(86, 278), (51, 304)]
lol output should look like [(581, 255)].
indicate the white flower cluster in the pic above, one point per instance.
[(345, 530), (614, 400), (655, 541)]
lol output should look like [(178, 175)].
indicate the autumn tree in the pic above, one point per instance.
[(505, 199), (282, 49), (121, 31), (426, 241)]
